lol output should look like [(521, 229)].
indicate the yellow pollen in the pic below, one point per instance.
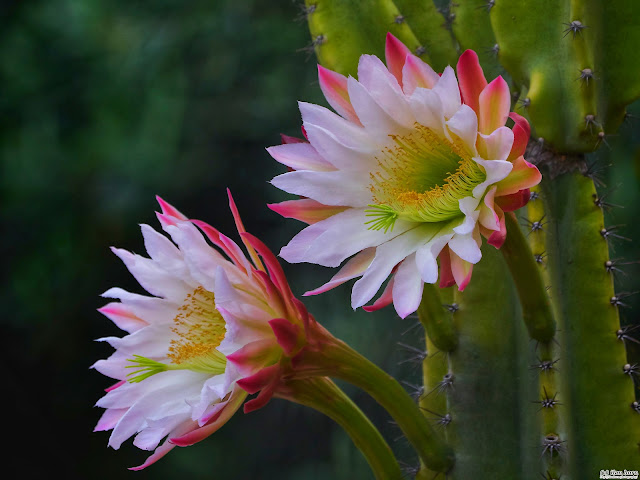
[(199, 326), (422, 177)]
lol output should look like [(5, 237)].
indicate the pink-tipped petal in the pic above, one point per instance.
[(471, 78), (523, 175), (169, 209), (253, 356), (446, 276), (115, 385), (498, 237), (494, 105), (407, 288), (355, 267), (259, 380), (123, 318), (395, 53), (417, 74), (334, 88), (521, 134), (461, 271), (306, 210), (287, 334), (512, 202), (289, 139), (488, 217), (383, 300)]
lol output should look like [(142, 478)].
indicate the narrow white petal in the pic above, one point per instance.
[(330, 188), (449, 92), (427, 254), (407, 287), (464, 124), (427, 108), (466, 248), (496, 170), (300, 156), (375, 119)]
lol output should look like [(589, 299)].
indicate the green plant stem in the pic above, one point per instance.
[(321, 394), (536, 308), (436, 320), (337, 359)]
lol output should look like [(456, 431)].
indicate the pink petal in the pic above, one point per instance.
[(446, 276), (168, 445), (523, 175), (494, 104), (383, 300), (488, 217), (300, 156), (170, 210), (259, 380), (306, 210), (334, 88), (109, 419), (241, 230), (471, 78), (461, 271), (261, 400), (512, 202), (498, 237), (395, 53), (521, 134), (288, 139), (123, 318), (254, 356), (287, 334)]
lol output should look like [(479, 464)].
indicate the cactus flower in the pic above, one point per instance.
[(214, 329), (413, 169)]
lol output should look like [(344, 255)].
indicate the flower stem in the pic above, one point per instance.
[(337, 359), (536, 308), (321, 394)]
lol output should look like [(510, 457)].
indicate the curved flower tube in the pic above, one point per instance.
[(406, 178), (215, 328)]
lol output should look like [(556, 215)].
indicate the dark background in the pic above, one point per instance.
[(107, 103)]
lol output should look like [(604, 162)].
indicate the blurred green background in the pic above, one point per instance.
[(106, 103)]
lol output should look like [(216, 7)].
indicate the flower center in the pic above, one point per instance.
[(199, 329), (421, 178)]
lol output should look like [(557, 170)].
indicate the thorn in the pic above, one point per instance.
[(623, 333), (412, 327), (420, 51), (611, 266), (311, 48), (524, 103), (551, 444), (445, 385), (533, 196), (416, 391), (493, 50), (616, 300), (635, 406), (576, 27), (610, 232), (539, 257), (488, 6), (547, 401), (586, 74), (546, 365), (590, 121), (453, 308), (602, 138), (593, 171), (443, 420), (536, 226), (399, 19), (417, 356), (409, 470), (600, 201), (305, 12), (631, 370)]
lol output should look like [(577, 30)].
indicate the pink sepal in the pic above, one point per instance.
[(200, 433), (241, 230), (521, 134), (305, 210), (170, 210), (334, 88), (262, 399), (512, 202), (395, 53), (254, 356), (271, 291), (494, 104), (168, 445), (288, 139), (259, 380), (461, 270), (213, 235), (523, 175), (385, 299), (471, 79), (287, 334), (446, 276)]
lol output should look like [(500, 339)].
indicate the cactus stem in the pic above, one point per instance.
[(548, 476), (574, 27), (552, 444), (586, 74)]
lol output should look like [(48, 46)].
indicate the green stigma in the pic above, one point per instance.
[(145, 368), (384, 217)]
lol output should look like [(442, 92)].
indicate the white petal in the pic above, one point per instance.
[(427, 254), (329, 188), (468, 206), (375, 119), (496, 170), (388, 255), (466, 248), (407, 287), (384, 89), (346, 132), (449, 92), (335, 239), (164, 252), (464, 124), (498, 143), (150, 309), (427, 108), (300, 156), (359, 158)]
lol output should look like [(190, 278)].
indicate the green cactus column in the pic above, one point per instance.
[(603, 428)]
